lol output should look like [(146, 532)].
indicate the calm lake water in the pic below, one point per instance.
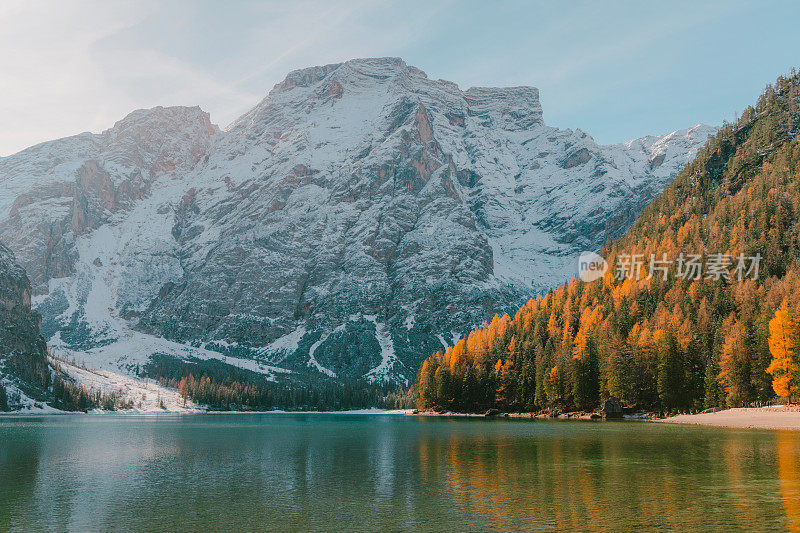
[(390, 473)]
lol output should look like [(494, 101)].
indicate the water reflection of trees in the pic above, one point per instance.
[(313, 472), (788, 451), (644, 477)]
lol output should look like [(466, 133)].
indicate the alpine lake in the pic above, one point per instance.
[(382, 472)]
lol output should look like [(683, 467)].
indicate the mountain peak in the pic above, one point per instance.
[(164, 117), (378, 67), (387, 82)]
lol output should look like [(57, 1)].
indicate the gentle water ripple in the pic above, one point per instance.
[(390, 473)]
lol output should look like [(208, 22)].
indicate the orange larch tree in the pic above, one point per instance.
[(783, 347)]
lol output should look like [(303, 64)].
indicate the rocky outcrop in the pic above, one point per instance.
[(23, 363), (358, 218)]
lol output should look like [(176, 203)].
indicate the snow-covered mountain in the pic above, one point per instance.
[(357, 219)]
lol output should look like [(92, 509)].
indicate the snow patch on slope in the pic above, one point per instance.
[(285, 346), (382, 372), (132, 350), (22, 403), (312, 361), (145, 395), (445, 345)]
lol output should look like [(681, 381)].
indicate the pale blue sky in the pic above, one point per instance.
[(617, 70)]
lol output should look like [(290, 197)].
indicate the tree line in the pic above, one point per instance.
[(222, 387), (70, 396)]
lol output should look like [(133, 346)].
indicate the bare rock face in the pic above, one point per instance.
[(22, 347), (357, 219)]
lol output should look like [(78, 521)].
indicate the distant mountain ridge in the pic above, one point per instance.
[(358, 218)]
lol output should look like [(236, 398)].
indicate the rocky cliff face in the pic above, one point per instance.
[(22, 348), (357, 219), (55, 192)]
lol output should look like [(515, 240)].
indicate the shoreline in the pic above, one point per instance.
[(769, 418), (773, 418), (764, 418), (578, 415), (194, 411)]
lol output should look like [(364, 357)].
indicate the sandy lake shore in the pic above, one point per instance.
[(787, 418), (774, 417)]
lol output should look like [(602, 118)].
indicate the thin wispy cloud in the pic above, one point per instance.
[(51, 86), (616, 70)]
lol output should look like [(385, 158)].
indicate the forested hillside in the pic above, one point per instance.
[(674, 337)]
